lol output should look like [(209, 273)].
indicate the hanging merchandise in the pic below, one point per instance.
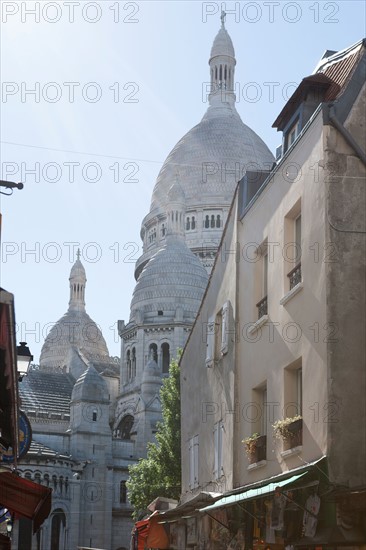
[(310, 519), (278, 509)]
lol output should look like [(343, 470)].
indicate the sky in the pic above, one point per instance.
[(94, 96)]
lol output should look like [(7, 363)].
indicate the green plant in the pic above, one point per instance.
[(281, 427), (248, 442)]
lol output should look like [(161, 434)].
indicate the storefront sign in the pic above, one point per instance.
[(24, 438)]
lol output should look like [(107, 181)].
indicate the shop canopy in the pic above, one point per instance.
[(151, 534), (24, 498), (236, 498)]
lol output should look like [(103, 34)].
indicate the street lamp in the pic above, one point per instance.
[(10, 185), (9, 527), (24, 359)]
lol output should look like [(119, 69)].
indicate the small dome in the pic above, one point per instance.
[(222, 44), (91, 387), (78, 272), (74, 330), (173, 277)]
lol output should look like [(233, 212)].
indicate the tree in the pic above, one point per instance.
[(159, 474)]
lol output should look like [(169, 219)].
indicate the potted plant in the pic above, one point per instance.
[(289, 430), (255, 447)]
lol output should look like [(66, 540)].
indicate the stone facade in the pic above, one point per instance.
[(101, 419), (295, 279)]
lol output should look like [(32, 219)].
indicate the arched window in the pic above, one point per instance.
[(133, 361), (37, 477), (212, 221), (123, 492), (163, 230), (125, 427), (58, 527), (61, 481), (188, 224), (193, 222), (128, 364), (207, 222), (46, 480), (218, 220), (54, 482), (153, 351), (165, 352)]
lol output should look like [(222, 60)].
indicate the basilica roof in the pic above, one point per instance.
[(46, 392), (222, 44), (75, 329), (174, 277), (214, 155)]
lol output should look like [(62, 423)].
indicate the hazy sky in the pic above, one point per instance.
[(115, 86)]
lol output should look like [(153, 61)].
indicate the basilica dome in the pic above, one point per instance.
[(215, 154), (174, 278), (211, 158), (75, 329)]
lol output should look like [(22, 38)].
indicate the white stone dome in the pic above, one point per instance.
[(75, 329), (222, 44), (221, 142), (174, 277)]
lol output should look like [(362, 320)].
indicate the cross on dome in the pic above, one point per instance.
[(223, 17)]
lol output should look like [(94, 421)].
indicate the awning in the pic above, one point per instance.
[(8, 374), (251, 493), (25, 498), (151, 534)]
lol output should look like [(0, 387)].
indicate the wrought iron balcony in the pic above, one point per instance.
[(262, 307), (295, 276)]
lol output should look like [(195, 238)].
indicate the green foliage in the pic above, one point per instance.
[(159, 474)]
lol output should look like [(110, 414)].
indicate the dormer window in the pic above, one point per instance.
[(293, 133)]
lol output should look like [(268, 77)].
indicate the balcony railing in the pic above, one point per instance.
[(262, 307), (295, 276)]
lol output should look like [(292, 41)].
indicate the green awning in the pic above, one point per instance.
[(251, 493)]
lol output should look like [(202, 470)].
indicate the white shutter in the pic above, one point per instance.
[(225, 328), (216, 447), (210, 340), (195, 459), (191, 464)]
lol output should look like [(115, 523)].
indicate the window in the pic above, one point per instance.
[(163, 230), (153, 352), (94, 417), (188, 224), (218, 439), (193, 226), (207, 222), (262, 281), (193, 462), (125, 427), (133, 363), (128, 364), (264, 408), (293, 389), (165, 354), (292, 247), (123, 492), (295, 274), (293, 133), (218, 221)]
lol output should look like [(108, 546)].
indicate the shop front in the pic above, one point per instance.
[(300, 511)]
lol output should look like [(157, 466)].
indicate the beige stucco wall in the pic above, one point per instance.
[(346, 299), (207, 394), (294, 332)]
